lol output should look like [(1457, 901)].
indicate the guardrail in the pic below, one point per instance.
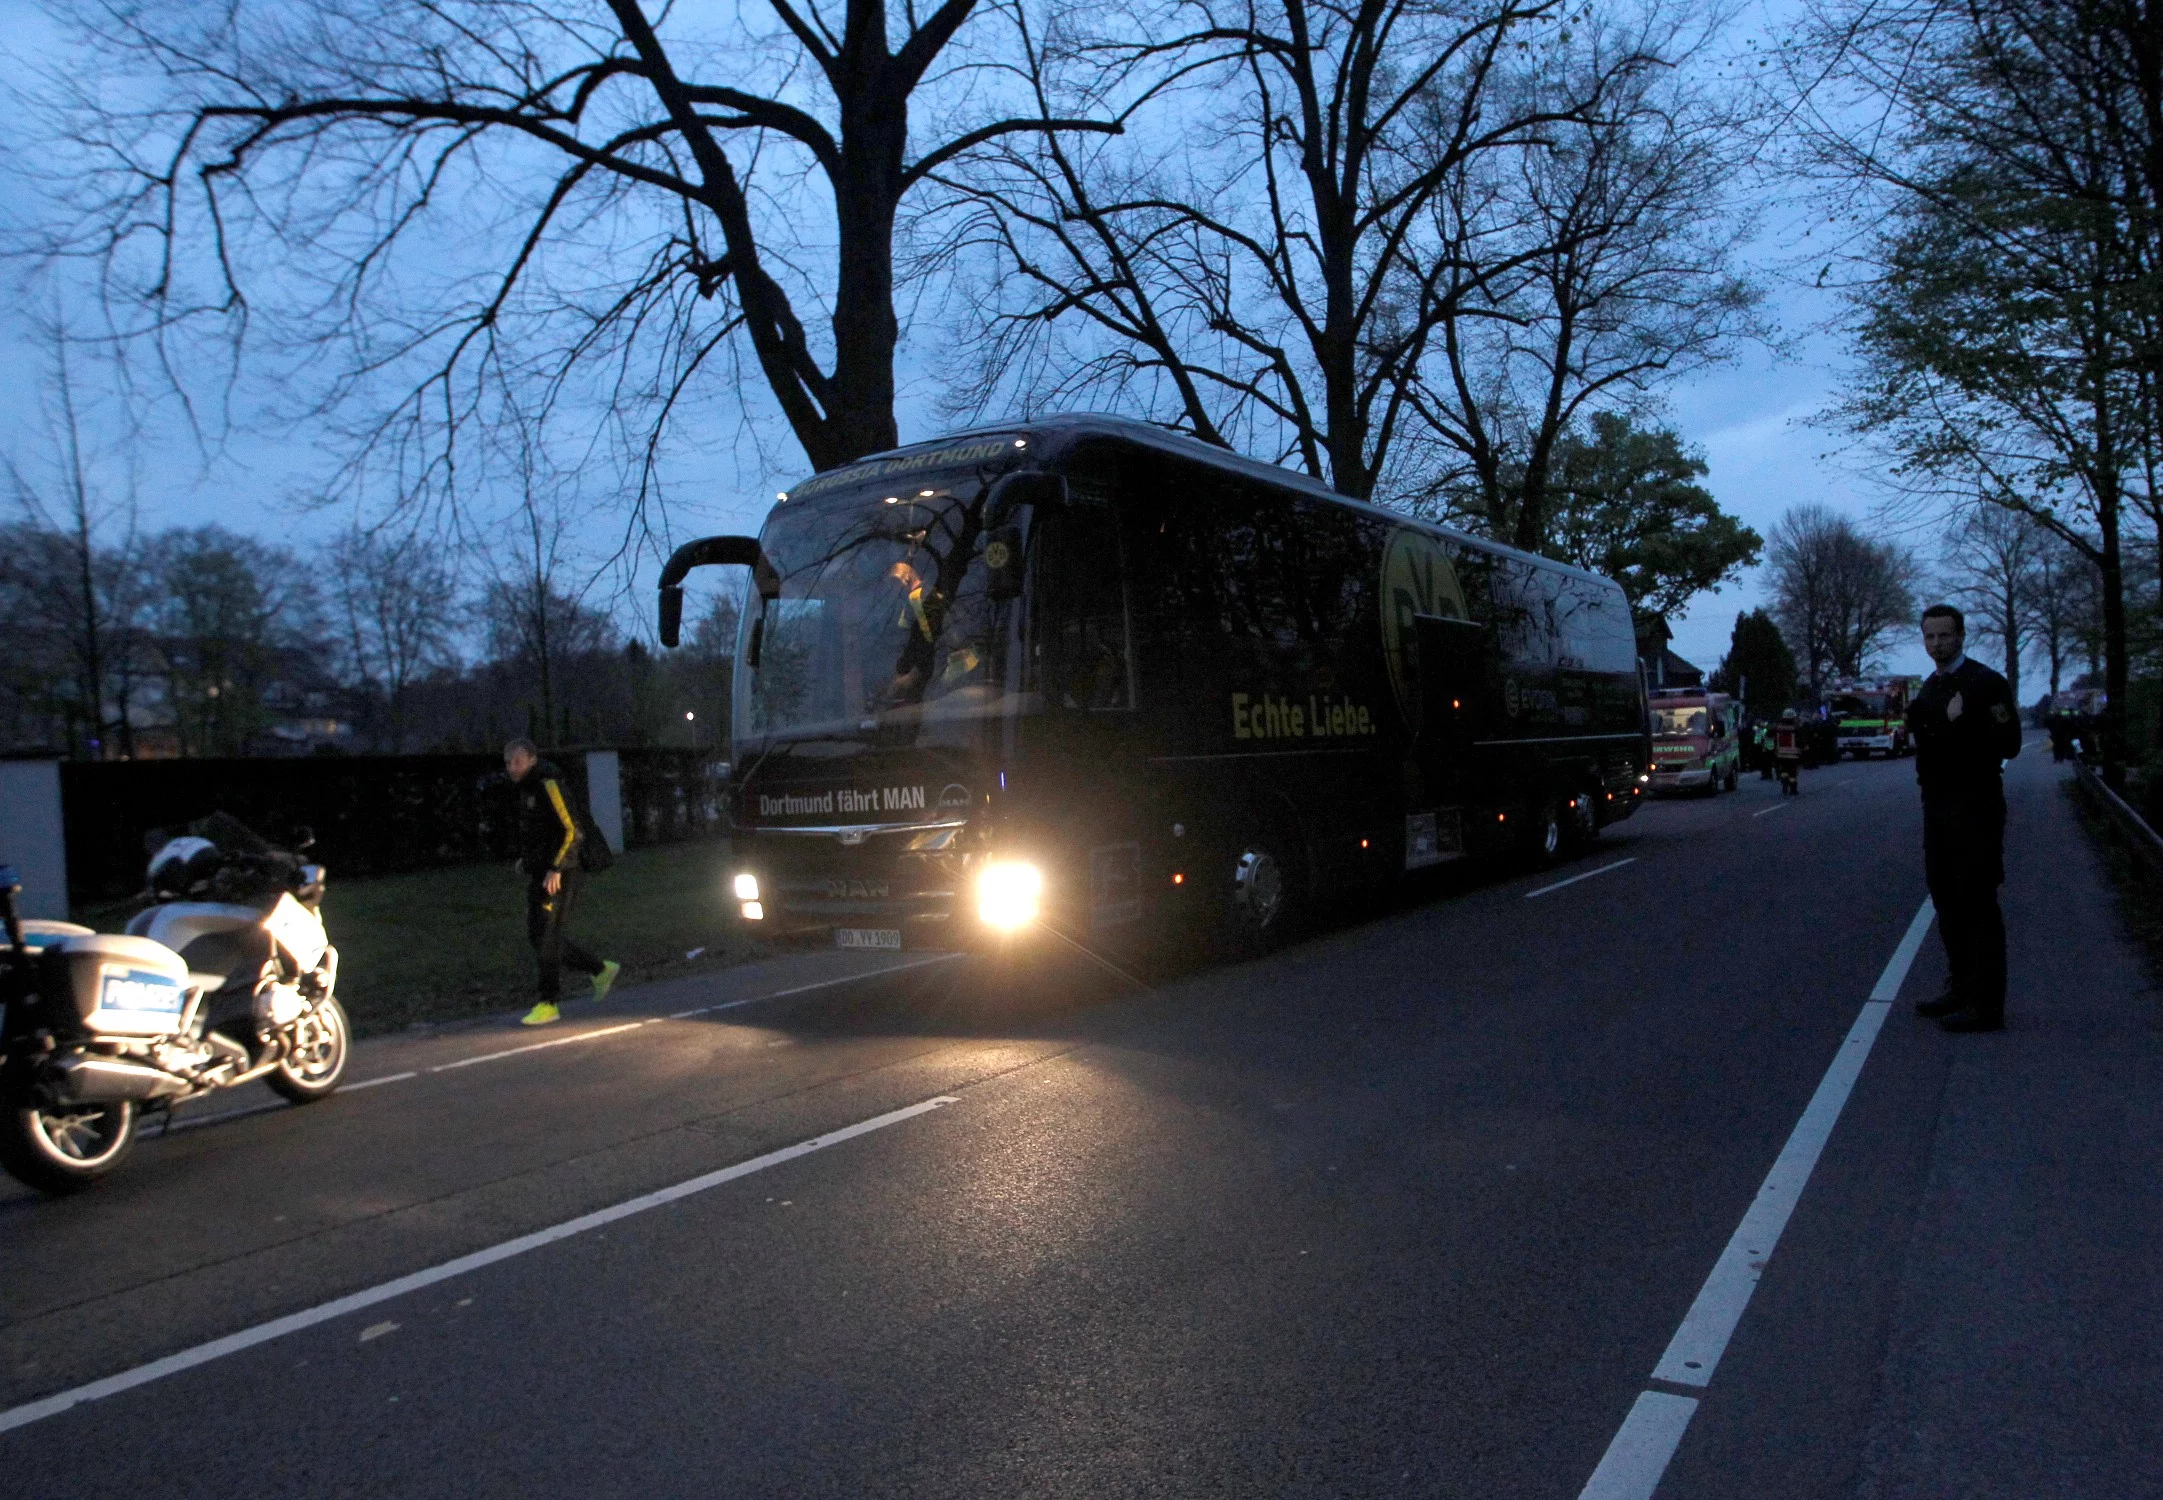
[(2133, 830)]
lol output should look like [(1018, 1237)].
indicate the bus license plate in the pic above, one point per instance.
[(868, 937)]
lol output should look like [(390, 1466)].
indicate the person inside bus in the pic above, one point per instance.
[(917, 619)]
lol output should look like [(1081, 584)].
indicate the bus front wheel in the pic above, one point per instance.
[(1264, 903), (1584, 820), (1544, 843)]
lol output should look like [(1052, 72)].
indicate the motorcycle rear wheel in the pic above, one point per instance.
[(61, 1149), (318, 1046)]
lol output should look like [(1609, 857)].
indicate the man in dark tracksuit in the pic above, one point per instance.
[(1965, 726), (549, 837)]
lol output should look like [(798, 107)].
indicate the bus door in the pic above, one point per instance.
[(1453, 693), (1082, 766)]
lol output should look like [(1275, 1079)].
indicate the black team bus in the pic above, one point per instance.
[(1087, 676)]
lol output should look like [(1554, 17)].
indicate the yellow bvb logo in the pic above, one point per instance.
[(1417, 579)]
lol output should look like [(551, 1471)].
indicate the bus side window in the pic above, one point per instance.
[(1525, 613), (1082, 615)]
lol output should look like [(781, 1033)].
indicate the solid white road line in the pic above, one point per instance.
[(1772, 809), (369, 1083), (561, 1041), (1887, 989), (1602, 870), (263, 1333), (1639, 1454)]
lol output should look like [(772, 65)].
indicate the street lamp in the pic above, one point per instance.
[(692, 719)]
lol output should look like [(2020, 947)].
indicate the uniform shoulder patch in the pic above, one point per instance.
[(2001, 713)]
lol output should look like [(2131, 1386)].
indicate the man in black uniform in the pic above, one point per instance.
[(1964, 726), (549, 836)]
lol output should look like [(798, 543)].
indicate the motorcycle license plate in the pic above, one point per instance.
[(868, 937)]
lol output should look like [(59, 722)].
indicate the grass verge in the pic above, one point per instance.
[(443, 944)]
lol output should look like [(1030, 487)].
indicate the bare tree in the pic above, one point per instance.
[(1836, 592), (74, 501), (1320, 214), (1587, 271), (1990, 562), (398, 600), (658, 179), (536, 621), (1264, 261), (221, 606), (2061, 596)]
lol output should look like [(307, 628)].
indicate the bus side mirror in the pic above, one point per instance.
[(741, 551), (1002, 563), (1009, 492)]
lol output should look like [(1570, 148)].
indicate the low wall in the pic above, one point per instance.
[(371, 815)]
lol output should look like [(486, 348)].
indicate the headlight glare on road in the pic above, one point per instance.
[(754, 912), (747, 886), (1009, 894)]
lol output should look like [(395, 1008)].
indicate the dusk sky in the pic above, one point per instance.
[(1750, 418)]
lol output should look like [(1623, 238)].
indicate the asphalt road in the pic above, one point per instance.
[(1412, 1208)]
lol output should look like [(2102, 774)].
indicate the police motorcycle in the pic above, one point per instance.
[(226, 978)]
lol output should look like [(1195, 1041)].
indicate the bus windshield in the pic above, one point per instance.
[(884, 622)]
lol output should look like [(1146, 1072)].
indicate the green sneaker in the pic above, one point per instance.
[(542, 1014), (606, 979)]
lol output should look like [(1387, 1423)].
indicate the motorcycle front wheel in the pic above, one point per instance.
[(62, 1148), (315, 1058)]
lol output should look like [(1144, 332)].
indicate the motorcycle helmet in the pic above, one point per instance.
[(183, 865)]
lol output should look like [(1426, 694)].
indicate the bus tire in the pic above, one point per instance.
[(1585, 820), (1265, 883), (1547, 835)]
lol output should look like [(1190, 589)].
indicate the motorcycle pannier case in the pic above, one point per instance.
[(116, 985)]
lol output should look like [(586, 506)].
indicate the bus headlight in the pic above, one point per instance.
[(747, 887), (1008, 894), (753, 912)]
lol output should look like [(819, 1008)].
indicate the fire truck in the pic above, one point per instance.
[(1696, 741), (1871, 717)]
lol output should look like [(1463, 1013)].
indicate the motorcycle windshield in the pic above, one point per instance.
[(884, 630)]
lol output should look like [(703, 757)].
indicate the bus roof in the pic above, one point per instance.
[(1070, 427)]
